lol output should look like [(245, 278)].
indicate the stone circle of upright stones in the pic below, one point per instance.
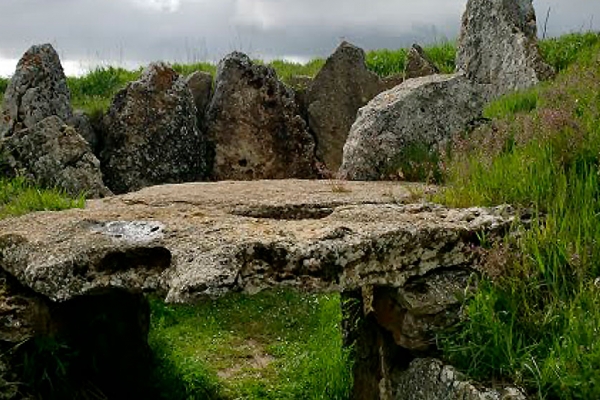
[(341, 87), (498, 45), (497, 54), (151, 134), (36, 140), (255, 125)]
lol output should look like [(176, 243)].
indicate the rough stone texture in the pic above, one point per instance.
[(301, 84), (37, 90), (384, 368), (402, 264), (53, 154), (391, 81), (255, 125), (343, 85), (151, 135), (415, 312), (418, 63), (201, 85), (498, 45), (429, 379), (209, 238), (422, 111), (83, 126), (373, 349)]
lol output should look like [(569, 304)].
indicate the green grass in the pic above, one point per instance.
[(562, 51), (3, 86), (392, 62), (18, 197), (274, 345), (536, 319)]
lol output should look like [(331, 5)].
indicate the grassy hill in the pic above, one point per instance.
[(536, 319)]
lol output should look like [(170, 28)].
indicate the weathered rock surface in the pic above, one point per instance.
[(392, 81), (151, 135), (422, 307), (255, 125), (428, 379), (498, 45), (420, 112), (343, 85), (201, 85), (418, 63), (387, 365), (208, 238), (37, 90), (408, 263), (82, 124), (53, 154)]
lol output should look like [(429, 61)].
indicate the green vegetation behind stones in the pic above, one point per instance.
[(536, 318), (94, 91), (387, 62), (392, 62), (562, 51), (188, 69), (287, 70)]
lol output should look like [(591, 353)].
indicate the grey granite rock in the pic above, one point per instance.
[(37, 90), (151, 134)]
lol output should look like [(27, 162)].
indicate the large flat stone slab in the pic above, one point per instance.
[(199, 239)]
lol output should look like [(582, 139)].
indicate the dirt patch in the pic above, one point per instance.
[(254, 358)]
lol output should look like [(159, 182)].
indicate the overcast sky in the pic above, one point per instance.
[(133, 32)]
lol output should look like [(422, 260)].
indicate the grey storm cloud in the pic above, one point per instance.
[(195, 30)]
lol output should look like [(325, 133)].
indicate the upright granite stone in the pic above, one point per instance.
[(419, 113), (255, 125), (343, 85), (37, 90), (151, 135), (52, 154), (498, 45), (418, 63)]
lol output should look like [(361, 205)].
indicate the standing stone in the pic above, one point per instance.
[(419, 113), (418, 63), (255, 125), (53, 155), (343, 85), (201, 86), (498, 45), (37, 90), (151, 135)]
